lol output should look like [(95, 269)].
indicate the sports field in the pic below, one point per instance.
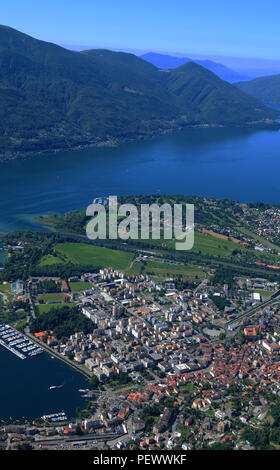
[(79, 286), (50, 297), (45, 308)]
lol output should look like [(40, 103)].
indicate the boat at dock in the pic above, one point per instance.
[(11, 349), (17, 343), (61, 416)]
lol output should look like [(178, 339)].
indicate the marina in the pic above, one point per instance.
[(17, 343), (55, 417), (26, 394)]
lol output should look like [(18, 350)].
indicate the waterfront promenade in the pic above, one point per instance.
[(50, 350)]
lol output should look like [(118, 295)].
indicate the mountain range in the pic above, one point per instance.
[(267, 89), (163, 61), (53, 98)]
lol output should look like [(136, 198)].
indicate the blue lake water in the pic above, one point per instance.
[(234, 163), (24, 391)]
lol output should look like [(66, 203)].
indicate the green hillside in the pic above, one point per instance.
[(267, 89), (54, 98), (212, 100)]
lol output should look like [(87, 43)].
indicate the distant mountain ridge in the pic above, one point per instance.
[(164, 61), (53, 98), (209, 97), (267, 89)]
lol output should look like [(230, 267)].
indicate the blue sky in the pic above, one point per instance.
[(238, 28)]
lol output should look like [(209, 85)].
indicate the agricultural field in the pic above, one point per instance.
[(207, 244), (162, 270), (213, 246), (210, 245), (86, 254)]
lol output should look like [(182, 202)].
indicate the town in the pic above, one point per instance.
[(177, 355)]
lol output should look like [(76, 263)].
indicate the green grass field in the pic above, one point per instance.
[(187, 272), (162, 270), (79, 286), (50, 259), (209, 245), (45, 308), (212, 246), (85, 254), (189, 387), (206, 244), (50, 297), (6, 290)]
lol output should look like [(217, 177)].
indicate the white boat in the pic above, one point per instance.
[(52, 387)]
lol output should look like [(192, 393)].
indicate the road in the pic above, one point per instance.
[(52, 352)]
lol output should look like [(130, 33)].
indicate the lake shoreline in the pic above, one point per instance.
[(36, 399), (203, 162), (117, 142)]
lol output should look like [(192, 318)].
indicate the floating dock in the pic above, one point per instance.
[(17, 343)]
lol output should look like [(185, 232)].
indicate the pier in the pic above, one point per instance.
[(17, 343), (13, 350)]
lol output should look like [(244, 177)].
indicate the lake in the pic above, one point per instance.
[(235, 163), (24, 391)]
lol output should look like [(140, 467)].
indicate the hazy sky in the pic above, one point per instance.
[(243, 28)]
